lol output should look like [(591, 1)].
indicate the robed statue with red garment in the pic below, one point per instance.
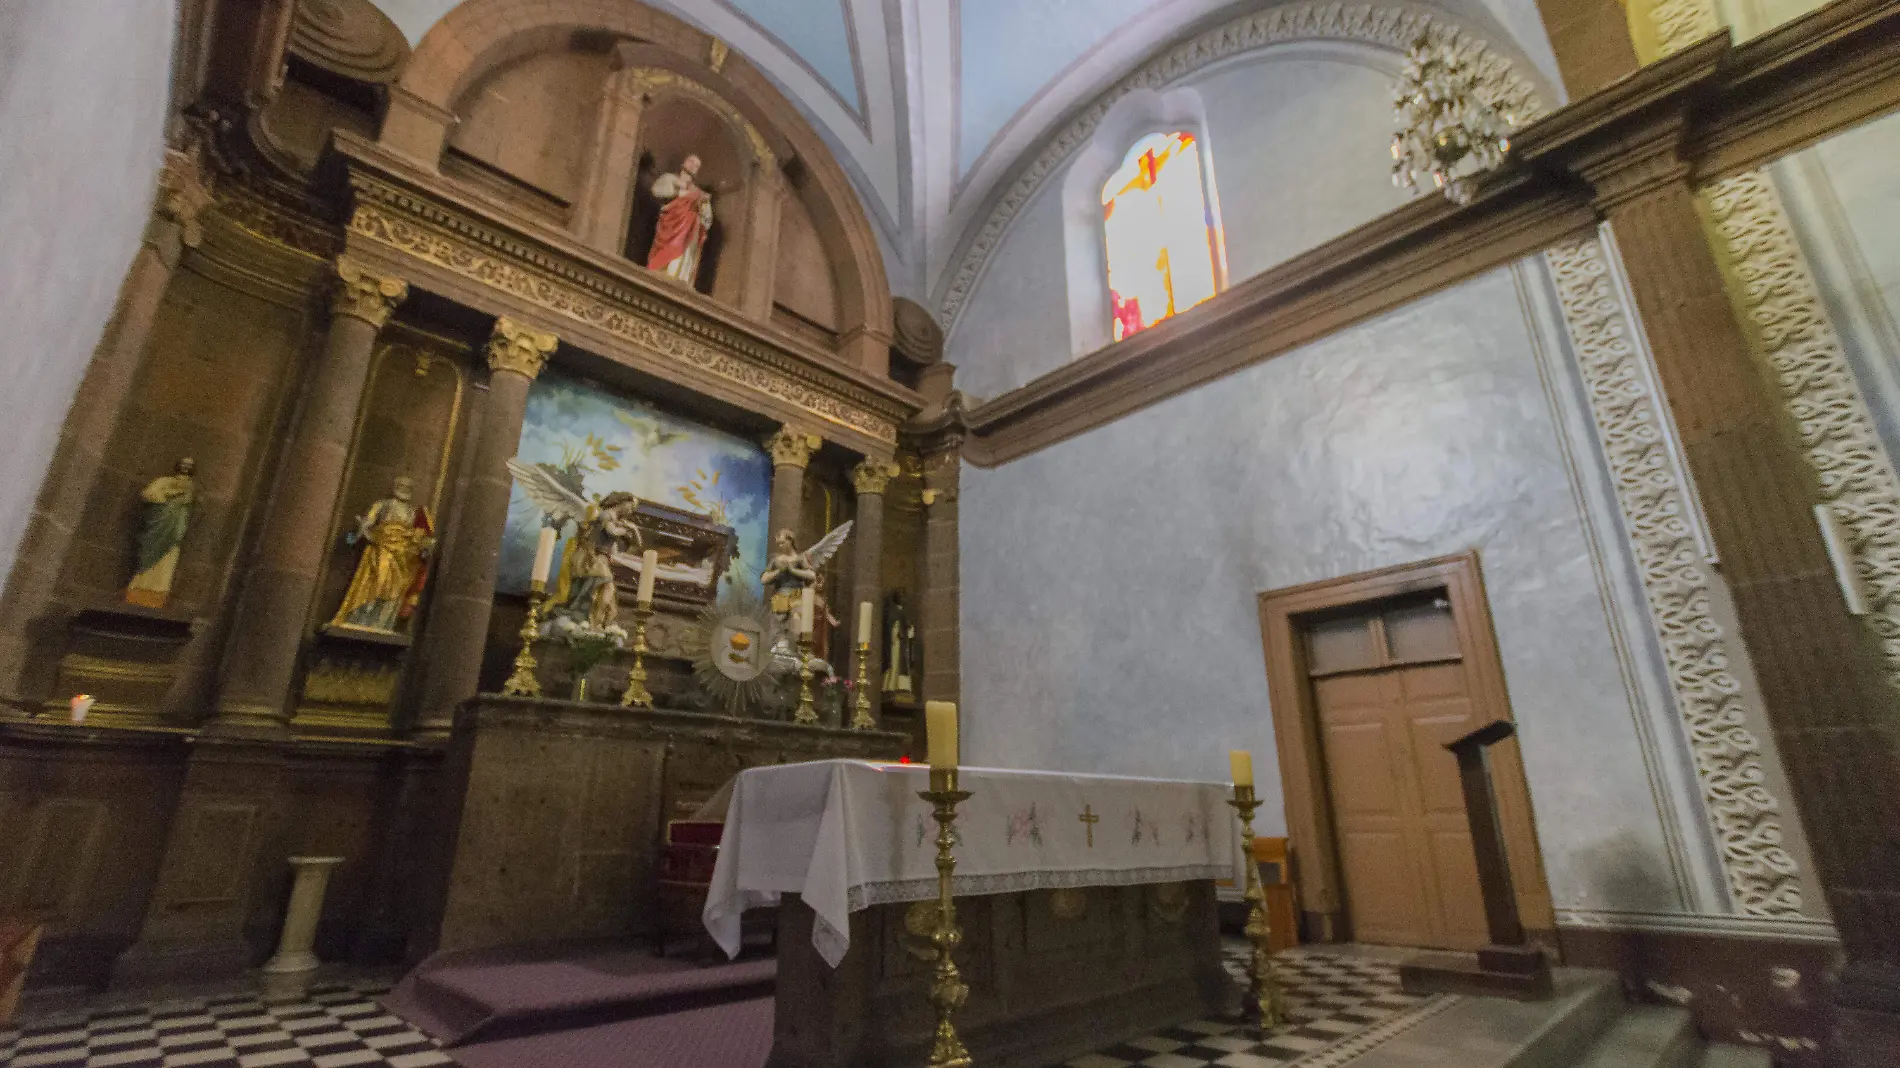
[(684, 222)]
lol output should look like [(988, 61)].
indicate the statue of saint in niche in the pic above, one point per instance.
[(168, 503), (901, 669), (397, 535), (684, 222)]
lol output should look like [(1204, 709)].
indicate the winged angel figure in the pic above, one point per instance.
[(791, 571), (584, 592)]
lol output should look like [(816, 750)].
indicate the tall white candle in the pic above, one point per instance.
[(940, 733), (649, 566), (805, 609), (1241, 762), (544, 555), (864, 621)]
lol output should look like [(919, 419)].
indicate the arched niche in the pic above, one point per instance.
[(794, 194)]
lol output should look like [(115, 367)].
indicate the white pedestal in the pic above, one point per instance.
[(287, 974)]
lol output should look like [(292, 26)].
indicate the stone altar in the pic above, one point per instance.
[(562, 807)]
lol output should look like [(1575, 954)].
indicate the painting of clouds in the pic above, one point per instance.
[(598, 442)]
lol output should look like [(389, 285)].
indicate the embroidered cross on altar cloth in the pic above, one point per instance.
[(842, 834)]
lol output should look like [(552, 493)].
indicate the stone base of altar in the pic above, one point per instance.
[(1053, 974), (560, 808)]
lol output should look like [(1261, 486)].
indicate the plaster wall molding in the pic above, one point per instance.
[(1390, 26), (1721, 718)]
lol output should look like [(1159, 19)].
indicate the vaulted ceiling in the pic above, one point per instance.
[(931, 104)]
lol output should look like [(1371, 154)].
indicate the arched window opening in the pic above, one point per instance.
[(1163, 247)]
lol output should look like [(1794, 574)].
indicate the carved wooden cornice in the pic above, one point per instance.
[(452, 240), (1707, 111)]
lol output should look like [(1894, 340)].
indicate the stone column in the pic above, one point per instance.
[(763, 196), (601, 215), (942, 599), (791, 452), (267, 627), (90, 422), (1820, 671), (457, 630), (870, 478)]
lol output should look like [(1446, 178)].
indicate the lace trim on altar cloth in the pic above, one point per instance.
[(863, 897)]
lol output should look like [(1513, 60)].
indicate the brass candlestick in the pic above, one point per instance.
[(861, 715), (523, 683), (637, 695), (1265, 992), (807, 712), (947, 990)]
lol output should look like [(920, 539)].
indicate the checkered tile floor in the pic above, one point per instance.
[(1331, 997), (334, 1027)]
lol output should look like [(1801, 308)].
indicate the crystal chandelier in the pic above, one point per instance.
[(1447, 129)]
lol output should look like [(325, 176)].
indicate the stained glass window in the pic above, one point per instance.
[(1162, 245)]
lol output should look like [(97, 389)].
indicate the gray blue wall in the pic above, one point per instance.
[(83, 88)]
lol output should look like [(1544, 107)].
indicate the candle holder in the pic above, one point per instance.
[(947, 989), (637, 695), (807, 712), (861, 709), (1264, 990), (523, 683)]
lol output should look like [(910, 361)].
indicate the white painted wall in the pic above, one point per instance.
[(83, 90)]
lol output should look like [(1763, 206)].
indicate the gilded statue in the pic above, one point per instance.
[(790, 571), (397, 536), (680, 235), (584, 593), (822, 621), (169, 500)]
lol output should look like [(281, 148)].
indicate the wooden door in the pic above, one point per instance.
[(1389, 690)]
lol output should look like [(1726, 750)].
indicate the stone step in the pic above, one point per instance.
[(1479, 1032), (1646, 1036), (1725, 1055)]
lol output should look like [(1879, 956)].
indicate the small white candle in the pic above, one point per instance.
[(1241, 762), (544, 555), (864, 622), (82, 704), (940, 732), (649, 567), (805, 609)]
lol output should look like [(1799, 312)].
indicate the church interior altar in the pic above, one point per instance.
[(1086, 905)]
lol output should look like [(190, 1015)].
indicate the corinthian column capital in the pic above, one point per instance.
[(519, 347), (873, 475), (792, 448), (362, 295)]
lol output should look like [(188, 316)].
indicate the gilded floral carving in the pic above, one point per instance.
[(369, 297), (519, 348), (873, 476), (672, 338), (1653, 495), (792, 448)]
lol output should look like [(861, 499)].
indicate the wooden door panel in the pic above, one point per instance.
[(1382, 888), (1441, 793), (1362, 772), (1460, 900)]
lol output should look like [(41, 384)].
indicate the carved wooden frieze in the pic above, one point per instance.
[(414, 226)]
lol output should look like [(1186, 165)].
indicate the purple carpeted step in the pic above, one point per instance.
[(456, 997), (737, 1034)]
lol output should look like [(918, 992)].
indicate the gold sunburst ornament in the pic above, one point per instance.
[(1449, 132), (731, 649)]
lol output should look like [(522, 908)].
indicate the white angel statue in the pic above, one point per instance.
[(584, 592), (790, 571)]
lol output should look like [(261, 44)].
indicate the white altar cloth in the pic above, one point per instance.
[(846, 834)]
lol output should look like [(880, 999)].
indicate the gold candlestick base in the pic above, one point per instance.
[(861, 709), (947, 989), (523, 683), (637, 695), (1264, 992), (807, 712)]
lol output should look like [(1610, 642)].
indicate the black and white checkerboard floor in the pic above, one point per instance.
[(1337, 1002), (335, 1027)]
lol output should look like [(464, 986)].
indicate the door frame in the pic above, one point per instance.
[(1309, 817)]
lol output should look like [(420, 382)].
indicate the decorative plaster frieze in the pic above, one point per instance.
[(1782, 310), (1653, 494), (1681, 23), (1390, 27), (413, 228)]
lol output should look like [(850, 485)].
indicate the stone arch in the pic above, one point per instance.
[(477, 36)]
